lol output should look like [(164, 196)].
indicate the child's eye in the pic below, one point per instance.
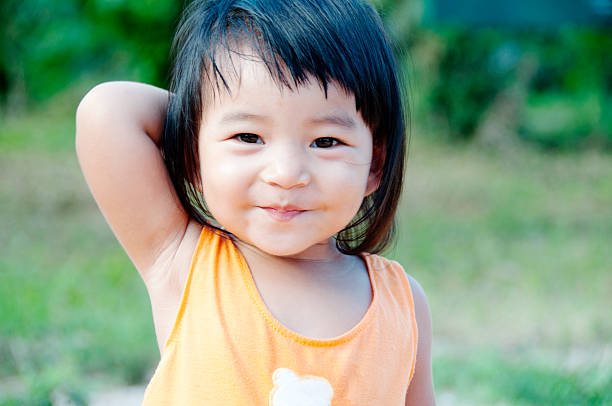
[(248, 138), (325, 142)]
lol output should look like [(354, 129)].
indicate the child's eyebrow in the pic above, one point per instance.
[(340, 119), (337, 118), (241, 116)]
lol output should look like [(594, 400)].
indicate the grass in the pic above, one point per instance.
[(512, 250), (525, 231), (488, 378)]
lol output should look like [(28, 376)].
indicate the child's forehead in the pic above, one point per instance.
[(253, 94), (246, 76)]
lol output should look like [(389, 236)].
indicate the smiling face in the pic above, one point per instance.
[(284, 170)]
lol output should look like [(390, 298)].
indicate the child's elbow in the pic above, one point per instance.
[(91, 113)]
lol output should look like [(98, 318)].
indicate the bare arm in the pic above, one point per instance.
[(118, 130), (421, 392)]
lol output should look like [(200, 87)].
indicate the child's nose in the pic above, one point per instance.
[(286, 168)]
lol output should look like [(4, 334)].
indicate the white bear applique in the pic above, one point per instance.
[(293, 390)]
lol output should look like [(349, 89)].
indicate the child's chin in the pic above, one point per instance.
[(298, 250), (278, 250)]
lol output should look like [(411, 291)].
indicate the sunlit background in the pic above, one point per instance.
[(506, 218)]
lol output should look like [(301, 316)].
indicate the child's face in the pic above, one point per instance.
[(284, 170)]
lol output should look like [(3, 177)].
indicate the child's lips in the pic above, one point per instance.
[(285, 213)]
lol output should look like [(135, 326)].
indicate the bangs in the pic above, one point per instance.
[(294, 43)]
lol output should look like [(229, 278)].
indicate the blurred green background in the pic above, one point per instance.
[(506, 218)]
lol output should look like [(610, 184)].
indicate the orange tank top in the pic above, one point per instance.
[(226, 348)]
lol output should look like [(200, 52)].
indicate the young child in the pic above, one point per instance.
[(252, 199)]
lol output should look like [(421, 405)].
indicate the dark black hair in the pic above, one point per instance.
[(339, 41)]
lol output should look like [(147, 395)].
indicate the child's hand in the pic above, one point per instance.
[(118, 129)]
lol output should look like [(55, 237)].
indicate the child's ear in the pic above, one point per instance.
[(376, 169)]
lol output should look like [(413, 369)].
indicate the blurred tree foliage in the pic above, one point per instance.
[(46, 44), (550, 86)]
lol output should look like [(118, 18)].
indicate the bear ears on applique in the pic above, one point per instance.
[(291, 389)]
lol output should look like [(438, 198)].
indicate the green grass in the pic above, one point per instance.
[(520, 239), (490, 378), (48, 128), (512, 250), (74, 314)]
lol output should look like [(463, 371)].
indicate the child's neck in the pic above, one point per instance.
[(321, 260), (320, 293)]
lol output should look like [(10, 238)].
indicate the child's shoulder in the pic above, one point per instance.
[(392, 272), (390, 266)]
